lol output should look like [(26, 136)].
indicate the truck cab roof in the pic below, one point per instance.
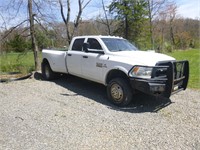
[(98, 36)]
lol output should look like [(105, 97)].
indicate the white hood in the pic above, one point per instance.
[(146, 58)]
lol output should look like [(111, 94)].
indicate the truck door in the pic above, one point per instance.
[(74, 57), (92, 62)]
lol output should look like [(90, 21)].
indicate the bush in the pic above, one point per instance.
[(168, 47), (17, 44)]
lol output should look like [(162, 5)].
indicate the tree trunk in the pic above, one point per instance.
[(106, 17), (150, 23), (67, 19), (32, 32), (126, 22), (172, 34), (151, 34), (172, 12)]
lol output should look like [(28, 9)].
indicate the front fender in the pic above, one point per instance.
[(123, 69), (116, 71)]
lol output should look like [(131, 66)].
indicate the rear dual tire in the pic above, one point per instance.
[(47, 72)]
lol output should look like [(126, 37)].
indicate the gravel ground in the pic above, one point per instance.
[(71, 113)]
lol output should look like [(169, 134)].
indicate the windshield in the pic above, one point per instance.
[(115, 45)]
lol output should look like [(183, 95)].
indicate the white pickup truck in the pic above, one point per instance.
[(119, 65)]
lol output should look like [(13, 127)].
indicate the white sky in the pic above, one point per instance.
[(189, 8), (186, 9)]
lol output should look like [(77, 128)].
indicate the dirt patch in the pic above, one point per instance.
[(13, 76)]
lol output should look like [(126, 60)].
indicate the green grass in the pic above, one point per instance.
[(193, 56), (17, 62)]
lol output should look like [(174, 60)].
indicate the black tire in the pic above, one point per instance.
[(47, 72), (119, 92)]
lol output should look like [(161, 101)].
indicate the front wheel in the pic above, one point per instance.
[(119, 92)]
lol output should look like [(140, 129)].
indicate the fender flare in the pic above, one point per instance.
[(121, 69)]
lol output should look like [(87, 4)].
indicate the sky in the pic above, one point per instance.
[(186, 9), (189, 8)]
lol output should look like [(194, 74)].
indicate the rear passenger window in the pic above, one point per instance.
[(78, 44), (94, 44)]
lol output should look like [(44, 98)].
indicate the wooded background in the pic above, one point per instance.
[(149, 24)]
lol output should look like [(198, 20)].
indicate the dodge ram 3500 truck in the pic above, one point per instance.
[(119, 65)]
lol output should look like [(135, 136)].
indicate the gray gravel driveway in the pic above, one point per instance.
[(71, 113)]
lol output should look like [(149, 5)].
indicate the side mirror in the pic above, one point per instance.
[(85, 47)]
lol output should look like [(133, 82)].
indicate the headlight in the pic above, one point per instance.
[(141, 72)]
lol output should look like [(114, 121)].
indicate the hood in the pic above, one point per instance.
[(147, 58)]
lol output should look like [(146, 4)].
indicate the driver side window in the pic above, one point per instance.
[(94, 44)]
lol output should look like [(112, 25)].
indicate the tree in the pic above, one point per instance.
[(107, 22), (131, 15), (160, 30), (14, 8), (18, 43), (66, 19), (121, 11), (165, 27), (105, 18), (171, 9), (43, 39), (33, 36), (154, 7)]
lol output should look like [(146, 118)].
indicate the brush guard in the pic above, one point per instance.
[(177, 76), (168, 77)]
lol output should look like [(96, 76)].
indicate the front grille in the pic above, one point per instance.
[(160, 73), (161, 70)]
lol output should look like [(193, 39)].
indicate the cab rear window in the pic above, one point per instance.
[(78, 44)]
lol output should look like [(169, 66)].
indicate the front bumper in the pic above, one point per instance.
[(167, 78)]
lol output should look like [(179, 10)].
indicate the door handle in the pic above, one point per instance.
[(85, 56), (69, 54)]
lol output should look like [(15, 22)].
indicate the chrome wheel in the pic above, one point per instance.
[(117, 92)]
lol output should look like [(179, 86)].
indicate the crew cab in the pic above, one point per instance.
[(119, 65)]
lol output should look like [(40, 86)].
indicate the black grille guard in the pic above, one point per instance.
[(167, 78), (174, 74)]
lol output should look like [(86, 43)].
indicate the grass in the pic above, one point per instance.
[(18, 62), (193, 56)]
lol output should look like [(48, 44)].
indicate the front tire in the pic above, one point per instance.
[(47, 72), (119, 92)]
